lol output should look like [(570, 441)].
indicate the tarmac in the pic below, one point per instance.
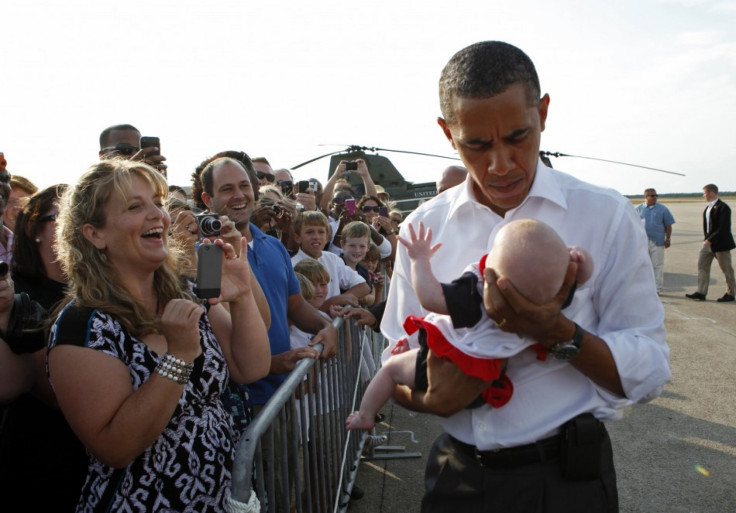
[(676, 454)]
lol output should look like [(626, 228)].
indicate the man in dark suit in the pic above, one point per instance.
[(718, 244)]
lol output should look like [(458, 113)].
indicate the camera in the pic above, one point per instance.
[(351, 166), (209, 224), (277, 210)]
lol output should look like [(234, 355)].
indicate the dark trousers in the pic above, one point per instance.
[(455, 481)]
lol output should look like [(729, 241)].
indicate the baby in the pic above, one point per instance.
[(530, 255)]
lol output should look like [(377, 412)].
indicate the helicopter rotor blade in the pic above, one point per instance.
[(354, 148), (317, 158), (415, 153), (558, 154)]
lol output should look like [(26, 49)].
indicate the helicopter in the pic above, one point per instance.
[(409, 195)]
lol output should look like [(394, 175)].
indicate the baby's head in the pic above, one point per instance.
[(532, 256)]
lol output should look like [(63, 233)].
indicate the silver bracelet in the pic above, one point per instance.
[(174, 369)]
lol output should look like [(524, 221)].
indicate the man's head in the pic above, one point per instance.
[(382, 194), (285, 181), (119, 141), (228, 190), (710, 192), (311, 231), (493, 116), (264, 172), (650, 196), (202, 182), (451, 176), (532, 256)]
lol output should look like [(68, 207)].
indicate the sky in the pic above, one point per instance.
[(648, 82)]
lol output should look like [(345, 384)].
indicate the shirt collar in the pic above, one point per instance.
[(545, 187)]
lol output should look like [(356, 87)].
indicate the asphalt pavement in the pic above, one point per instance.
[(676, 454)]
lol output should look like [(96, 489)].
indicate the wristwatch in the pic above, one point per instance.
[(569, 349)]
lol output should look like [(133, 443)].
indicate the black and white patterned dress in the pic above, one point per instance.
[(187, 469)]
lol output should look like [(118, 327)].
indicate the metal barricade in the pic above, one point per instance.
[(311, 463)]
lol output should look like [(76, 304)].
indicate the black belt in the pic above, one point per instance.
[(543, 450)]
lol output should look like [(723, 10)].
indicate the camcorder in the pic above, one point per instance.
[(351, 166), (209, 224)]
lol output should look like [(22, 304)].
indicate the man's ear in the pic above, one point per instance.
[(207, 199), (94, 235), (543, 106), (446, 130)]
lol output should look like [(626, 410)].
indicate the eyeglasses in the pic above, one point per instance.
[(269, 177), (48, 217), (121, 149), (652, 195), (368, 208)]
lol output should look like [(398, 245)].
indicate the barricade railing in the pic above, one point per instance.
[(296, 454)]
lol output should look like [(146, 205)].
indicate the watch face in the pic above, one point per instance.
[(565, 351)]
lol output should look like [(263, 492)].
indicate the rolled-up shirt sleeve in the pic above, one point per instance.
[(630, 314)]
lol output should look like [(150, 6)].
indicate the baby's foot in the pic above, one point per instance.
[(357, 420)]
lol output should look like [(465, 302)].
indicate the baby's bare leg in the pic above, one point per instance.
[(398, 370)]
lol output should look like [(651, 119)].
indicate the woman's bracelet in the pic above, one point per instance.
[(174, 369)]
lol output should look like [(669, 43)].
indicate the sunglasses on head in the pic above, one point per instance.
[(122, 149), (368, 208), (269, 177)]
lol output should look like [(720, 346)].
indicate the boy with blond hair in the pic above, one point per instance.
[(312, 232)]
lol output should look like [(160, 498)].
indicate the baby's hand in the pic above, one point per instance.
[(419, 246), (584, 261)]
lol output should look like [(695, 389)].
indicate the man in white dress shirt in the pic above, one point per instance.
[(606, 351)]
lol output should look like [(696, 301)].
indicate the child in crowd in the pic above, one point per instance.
[(312, 231), (528, 253), (372, 262), (356, 239)]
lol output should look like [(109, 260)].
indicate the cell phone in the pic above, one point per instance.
[(351, 166), (350, 206), (302, 186), (209, 270), (151, 142), (383, 212)]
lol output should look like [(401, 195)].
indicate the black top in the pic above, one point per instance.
[(42, 462)]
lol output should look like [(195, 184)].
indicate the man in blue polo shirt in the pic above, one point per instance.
[(658, 223)]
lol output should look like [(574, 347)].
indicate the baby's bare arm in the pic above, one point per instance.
[(420, 250)]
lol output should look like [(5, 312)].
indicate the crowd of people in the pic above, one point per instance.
[(104, 275), (123, 389)]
